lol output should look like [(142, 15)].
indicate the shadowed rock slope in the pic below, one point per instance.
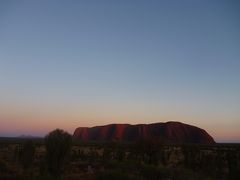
[(170, 132)]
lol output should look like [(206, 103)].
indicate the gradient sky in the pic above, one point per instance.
[(65, 64)]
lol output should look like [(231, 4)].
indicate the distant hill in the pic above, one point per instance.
[(23, 136), (170, 132)]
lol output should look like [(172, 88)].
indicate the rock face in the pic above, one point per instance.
[(170, 132)]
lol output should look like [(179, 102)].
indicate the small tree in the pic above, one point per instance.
[(58, 144)]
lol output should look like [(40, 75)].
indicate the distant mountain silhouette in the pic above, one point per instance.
[(170, 132), (24, 136)]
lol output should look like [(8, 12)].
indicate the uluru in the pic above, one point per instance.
[(170, 132)]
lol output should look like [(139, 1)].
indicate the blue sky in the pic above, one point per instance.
[(97, 62)]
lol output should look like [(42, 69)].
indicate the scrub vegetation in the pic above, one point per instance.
[(57, 156)]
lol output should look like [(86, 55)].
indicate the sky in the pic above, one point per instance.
[(65, 64)]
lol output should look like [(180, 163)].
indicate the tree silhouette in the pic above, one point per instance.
[(58, 144)]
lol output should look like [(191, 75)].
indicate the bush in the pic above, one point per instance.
[(27, 154), (110, 175), (3, 166), (153, 172), (58, 145)]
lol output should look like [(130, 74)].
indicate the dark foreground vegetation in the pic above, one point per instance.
[(58, 157)]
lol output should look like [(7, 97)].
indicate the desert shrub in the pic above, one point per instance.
[(58, 145), (149, 150), (3, 166), (153, 172), (156, 173), (110, 175), (184, 174), (120, 154), (233, 165), (27, 154), (106, 153), (43, 177)]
